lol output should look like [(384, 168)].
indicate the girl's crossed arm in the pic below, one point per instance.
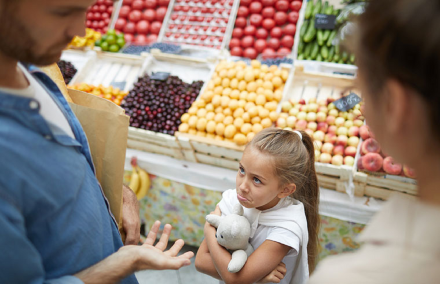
[(259, 264)]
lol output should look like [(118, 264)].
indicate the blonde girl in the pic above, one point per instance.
[(277, 185)]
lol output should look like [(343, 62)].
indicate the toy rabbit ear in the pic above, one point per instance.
[(214, 220), (238, 209)]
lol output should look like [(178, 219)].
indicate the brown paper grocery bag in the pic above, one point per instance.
[(106, 127)]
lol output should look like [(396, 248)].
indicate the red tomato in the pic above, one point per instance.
[(152, 38), (249, 30), (280, 18), (90, 16), (234, 43), (245, 2), (255, 20), (268, 24), (283, 52), (268, 3), (141, 39), (110, 10), (250, 52), (142, 27), (105, 15), (295, 5), (101, 24), (237, 51), (268, 12), (260, 45), (236, 33), (149, 15), (261, 33), (287, 41), (88, 23), (164, 3), (102, 8), (268, 53), (97, 16), (150, 4), (120, 24), (282, 5), (276, 32), (155, 27), (135, 16), (247, 41), (127, 2), (106, 21), (130, 28), (240, 22), (293, 17), (273, 43), (137, 5), (289, 29), (243, 11), (95, 8), (255, 8), (160, 13), (185, 8), (124, 12)]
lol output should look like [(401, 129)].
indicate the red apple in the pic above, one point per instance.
[(391, 167), (237, 33), (255, 7), (250, 52), (268, 24), (289, 29), (240, 22), (150, 4), (295, 5), (372, 162), (280, 18), (287, 41), (268, 3), (342, 140), (249, 30), (338, 150), (160, 14), (142, 27), (273, 43), (370, 146), (327, 148), (155, 27), (301, 124), (409, 172), (247, 41), (260, 45), (268, 12), (349, 161), (337, 160), (276, 32), (256, 19), (353, 131), (282, 5), (236, 51), (242, 11), (235, 42), (350, 151), (261, 33), (325, 158), (293, 17), (149, 15), (323, 127)]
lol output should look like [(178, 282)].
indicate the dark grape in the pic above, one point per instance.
[(67, 69)]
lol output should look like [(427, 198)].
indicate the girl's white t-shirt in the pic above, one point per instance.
[(274, 228), (49, 110)]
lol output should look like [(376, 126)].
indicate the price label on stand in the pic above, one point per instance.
[(347, 102), (120, 85), (325, 22), (161, 76)]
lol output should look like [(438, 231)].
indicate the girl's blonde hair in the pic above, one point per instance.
[(294, 160)]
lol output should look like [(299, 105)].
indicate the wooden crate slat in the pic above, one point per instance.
[(148, 147), (215, 161), (392, 184)]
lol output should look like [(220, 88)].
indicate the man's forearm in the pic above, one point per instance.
[(110, 270)]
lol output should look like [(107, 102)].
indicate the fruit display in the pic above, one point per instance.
[(139, 181), (320, 44), (335, 133), (87, 41), (67, 70), (265, 27), (198, 22), (157, 105), (373, 159), (110, 93), (238, 102), (141, 20), (111, 41), (99, 15)]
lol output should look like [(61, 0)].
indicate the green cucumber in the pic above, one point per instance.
[(323, 8), (309, 9), (319, 57), (336, 58), (304, 27), (324, 52), (341, 61), (317, 7), (300, 57), (352, 58), (331, 53), (308, 49), (330, 38), (300, 46), (344, 56), (310, 33), (319, 37), (315, 50)]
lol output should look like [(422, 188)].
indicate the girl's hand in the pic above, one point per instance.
[(276, 275)]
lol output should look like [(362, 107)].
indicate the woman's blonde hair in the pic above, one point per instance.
[(294, 160)]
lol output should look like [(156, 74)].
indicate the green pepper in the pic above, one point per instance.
[(331, 53)]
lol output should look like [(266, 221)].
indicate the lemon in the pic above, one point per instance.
[(219, 117), (192, 122), (240, 139), (246, 128), (230, 131), (184, 127), (210, 126), (234, 83), (238, 122), (233, 104), (246, 117), (210, 115), (255, 120), (260, 100), (220, 129), (266, 122), (242, 85), (249, 76), (257, 128), (277, 81), (235, 94), (201, 113), (225, 82), (238, 112), (251, 97), (185, 117), (263, 113)]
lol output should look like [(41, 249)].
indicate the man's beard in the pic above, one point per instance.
[(17, 43)]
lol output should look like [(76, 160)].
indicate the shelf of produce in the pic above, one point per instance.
[(111, 69), (200, 25), (209, 151), (320, 66), (187, 70)]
